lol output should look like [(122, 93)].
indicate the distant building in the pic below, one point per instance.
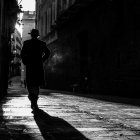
[(16, 46), (28, 23), (16, 42)]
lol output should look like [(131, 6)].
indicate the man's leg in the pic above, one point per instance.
[(33, 96)]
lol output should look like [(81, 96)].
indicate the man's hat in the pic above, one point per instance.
[(34, 32)]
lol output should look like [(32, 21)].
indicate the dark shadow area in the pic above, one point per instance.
[(117, 99), (54, 128), (12, 131), (112, 98), (109, 98)]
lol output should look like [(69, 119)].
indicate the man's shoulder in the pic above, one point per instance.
[(30, 41), (27, 41), (41, 41)]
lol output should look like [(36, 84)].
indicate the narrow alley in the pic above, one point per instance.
[(65, 116), (87, 53)]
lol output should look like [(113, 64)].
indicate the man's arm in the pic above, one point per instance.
[(46, 53)]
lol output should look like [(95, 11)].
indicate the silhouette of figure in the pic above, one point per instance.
[(33, 55)]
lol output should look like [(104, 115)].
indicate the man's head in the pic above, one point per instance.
[(34, 33)]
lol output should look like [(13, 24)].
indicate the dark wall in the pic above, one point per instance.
[(4, 61), (100, 49)]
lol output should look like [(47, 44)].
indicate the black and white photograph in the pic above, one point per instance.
[(69, 70)]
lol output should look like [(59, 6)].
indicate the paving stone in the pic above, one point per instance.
[(66, 117)]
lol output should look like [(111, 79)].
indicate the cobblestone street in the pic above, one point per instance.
[(66, 117)]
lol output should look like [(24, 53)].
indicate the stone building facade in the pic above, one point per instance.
[(16, 46), (94, 44), (28, 23)]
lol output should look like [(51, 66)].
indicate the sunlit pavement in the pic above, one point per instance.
[(66, 117)]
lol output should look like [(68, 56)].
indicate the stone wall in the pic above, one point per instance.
[(98, 50)]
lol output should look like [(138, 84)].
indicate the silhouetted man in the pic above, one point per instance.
[(33, 54)]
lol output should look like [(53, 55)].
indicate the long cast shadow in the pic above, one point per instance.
[(54, 128)]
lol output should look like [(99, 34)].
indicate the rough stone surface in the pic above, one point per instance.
[(66, 117)]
